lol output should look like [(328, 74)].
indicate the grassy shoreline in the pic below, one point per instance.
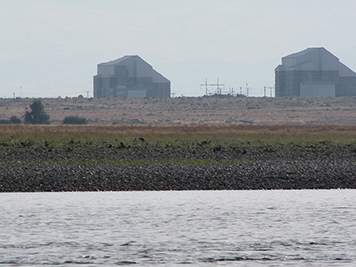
[(189, 133)]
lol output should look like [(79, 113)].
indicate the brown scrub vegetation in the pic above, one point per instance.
[(193, 110)]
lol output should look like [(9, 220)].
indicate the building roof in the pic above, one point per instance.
[(134, 61), (345, 71), (119, 60), (315, 58), (307, 51)]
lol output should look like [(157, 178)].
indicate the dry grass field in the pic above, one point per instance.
[(193, 110)]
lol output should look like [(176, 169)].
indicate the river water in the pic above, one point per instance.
[(197, 228)]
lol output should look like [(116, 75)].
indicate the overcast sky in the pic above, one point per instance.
[(51, 48)]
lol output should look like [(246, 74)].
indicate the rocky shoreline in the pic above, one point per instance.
[(76, 166)]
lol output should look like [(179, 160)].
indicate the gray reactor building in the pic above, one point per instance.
[(130, 76), (314, 72)]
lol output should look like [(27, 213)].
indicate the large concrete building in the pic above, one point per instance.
[(314, 72), (130, 76)]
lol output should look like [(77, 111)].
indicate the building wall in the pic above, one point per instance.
[(280, 82), (161, 90), (288, 83), (317, 90), (346, 86), (136, 93)]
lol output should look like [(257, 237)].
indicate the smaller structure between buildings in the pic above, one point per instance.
[(314, 72), (130, 76)]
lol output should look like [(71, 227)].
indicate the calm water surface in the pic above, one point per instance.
[(197, 228)]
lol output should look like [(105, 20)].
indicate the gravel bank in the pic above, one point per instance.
[(35, 167)]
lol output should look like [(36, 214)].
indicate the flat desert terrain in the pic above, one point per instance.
[(193, 110)]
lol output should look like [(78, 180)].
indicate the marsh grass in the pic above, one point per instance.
[(170, 134)]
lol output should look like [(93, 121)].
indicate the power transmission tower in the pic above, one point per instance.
[(219, 87)]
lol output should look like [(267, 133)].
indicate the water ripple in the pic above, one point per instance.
[(175, 228)]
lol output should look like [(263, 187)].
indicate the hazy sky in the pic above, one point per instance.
[(51, 48)]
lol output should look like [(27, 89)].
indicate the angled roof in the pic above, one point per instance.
[(314, 58), (128, 60), (307, 51), (119, 60), (345, 71)]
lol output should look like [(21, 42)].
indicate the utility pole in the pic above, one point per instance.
[(218, 89), (271, 91), (247, 89), (264, 91), (206, 86)]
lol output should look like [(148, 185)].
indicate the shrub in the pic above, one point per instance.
[(74, 120), (37, 115), (12, 120), (15, 120), (5, 122)]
